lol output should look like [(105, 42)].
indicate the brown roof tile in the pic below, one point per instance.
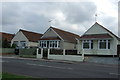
[(6, 36), (31, 36), (66, 36), (95, 36)]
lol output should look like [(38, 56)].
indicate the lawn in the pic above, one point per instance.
[(9, 76)]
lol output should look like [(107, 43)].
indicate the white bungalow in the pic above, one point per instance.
[(57, 38), (25, 38), (98, 40)]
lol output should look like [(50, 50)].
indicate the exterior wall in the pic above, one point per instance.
[(68, 45), (50, 33), (114, 44), (96, 29), (34, 44)]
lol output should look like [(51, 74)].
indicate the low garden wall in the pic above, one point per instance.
[(61, 54)]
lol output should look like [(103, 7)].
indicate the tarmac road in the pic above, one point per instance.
[(58, 69)]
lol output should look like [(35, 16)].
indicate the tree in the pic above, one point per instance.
[(13, 46), (5, 43)]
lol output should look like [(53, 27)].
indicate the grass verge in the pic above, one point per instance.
[(9, 76)]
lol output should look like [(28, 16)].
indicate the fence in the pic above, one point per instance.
[(60, 54), (56, 51)]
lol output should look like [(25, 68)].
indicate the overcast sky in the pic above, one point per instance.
[(74, 17)]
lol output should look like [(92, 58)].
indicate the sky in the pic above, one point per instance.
[(74, 16)]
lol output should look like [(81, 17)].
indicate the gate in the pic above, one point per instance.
[(17, 51), (45, 53), (118, 50)]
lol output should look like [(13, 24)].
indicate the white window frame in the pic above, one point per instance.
[(53, 44), (50, 41), (107, 41), (83, 41), (22, 42), (42, 43)]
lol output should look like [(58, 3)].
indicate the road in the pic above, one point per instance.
[(53, 69)]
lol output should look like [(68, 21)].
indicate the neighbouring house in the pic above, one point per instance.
[(26, 39), (5, 39), (98, 40), (59, 39)]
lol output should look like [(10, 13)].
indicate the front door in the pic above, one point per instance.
[(45, 53)]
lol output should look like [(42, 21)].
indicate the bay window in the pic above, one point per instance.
[(104, 44), (43, 44), (87, 44), (51, 44)]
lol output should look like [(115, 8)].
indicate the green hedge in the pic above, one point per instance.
[(30, 51), (7, 50)]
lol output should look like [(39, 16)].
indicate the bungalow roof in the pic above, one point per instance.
[(31, 36)]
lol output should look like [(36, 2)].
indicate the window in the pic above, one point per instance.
[(108, 44), (49, 44), (104, 44), (43, 44), (91, 44), (88, 44), (22, 43), (53, 44), (16, 43), (58, 44)]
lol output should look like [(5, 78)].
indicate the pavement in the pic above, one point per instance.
[(40, 68), (100, 60), (103, 60)]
